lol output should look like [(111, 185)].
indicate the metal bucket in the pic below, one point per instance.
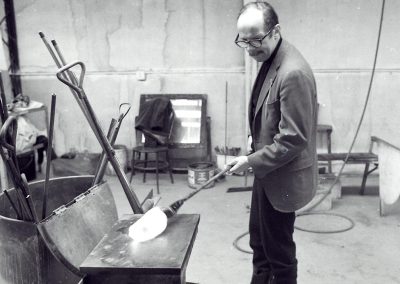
[(199, 173), (24, 258)]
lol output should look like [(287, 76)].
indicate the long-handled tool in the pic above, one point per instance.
[(60, 62), (4, 116), (114, 127), (154, 221), (172, 209), (3, 109), (49, 155), (8, 153), (65, 75), (19, 217), (111, 136), (101, 165), (105, 144), (29, 199)]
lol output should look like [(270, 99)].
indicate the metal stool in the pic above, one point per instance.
[(150, 165), (155, 143)]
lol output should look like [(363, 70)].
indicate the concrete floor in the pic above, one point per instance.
[(368, 253)]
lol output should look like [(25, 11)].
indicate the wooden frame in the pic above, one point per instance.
[(203, 98), (182, 154)]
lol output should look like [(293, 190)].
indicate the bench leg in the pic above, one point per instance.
[(364, 179), (169, 166), (157, 162), (145, 166), (132, 166), (381, 209)]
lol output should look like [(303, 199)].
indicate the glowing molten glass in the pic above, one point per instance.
[(149, 226)]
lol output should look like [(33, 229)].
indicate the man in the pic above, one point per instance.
[(282, 117)]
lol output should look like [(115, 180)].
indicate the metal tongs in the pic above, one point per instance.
[(111, 136), (65, 75), (8, 135), (92, 119)]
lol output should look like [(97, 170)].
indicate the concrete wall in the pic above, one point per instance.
[(181, 46), (339, 40), (187, 47)]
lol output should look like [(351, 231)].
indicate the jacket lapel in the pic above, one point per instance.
[(270, 78)]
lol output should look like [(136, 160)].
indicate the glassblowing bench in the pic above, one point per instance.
[(120, 260)]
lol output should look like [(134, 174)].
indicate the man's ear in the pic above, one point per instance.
[(277, 31)]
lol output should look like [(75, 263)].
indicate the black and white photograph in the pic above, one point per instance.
[(199, 142)]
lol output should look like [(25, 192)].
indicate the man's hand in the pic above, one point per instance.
[(239, 164)]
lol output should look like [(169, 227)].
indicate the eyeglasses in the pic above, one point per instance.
[(253, 42)]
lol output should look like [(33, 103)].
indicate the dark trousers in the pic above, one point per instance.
[(271, 238)]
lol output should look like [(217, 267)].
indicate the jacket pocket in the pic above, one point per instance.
[(298, 164), (272, 116)]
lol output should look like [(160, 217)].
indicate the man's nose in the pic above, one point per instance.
[(250, 48)]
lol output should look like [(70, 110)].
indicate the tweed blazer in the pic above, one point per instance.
[(283, 129)]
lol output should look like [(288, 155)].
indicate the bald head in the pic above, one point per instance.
[(258, 30), (259, 11), (252, 21)]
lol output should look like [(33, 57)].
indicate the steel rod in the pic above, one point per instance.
[(4, 110), (226, 120), (49, 155), (4, 116), (13, 152), (24, 205), (60, 63), (10, 159), (101, 167), (132, 199), (173, 208), (202, 186), (12, 204), (29, 199), (112, 137), (21, 189), (11, 173), (71, 75)]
